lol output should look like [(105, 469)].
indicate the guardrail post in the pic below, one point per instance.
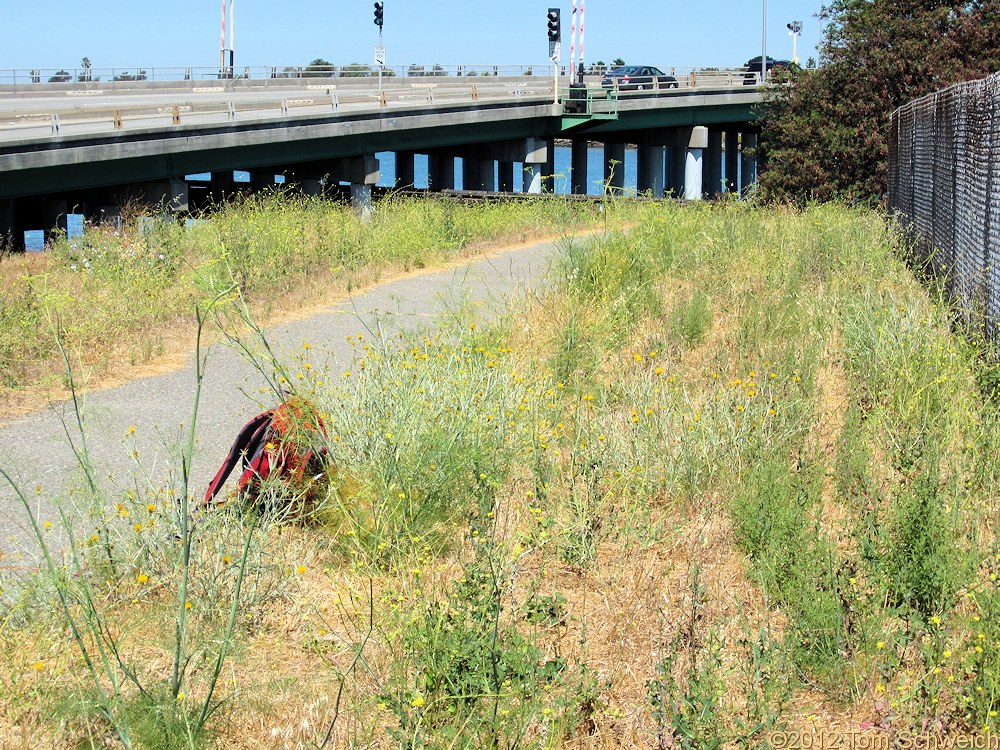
[(284, 108), (232, 111), (56, 126), (176, 111), (475, 93), (335, 101), (383, 101), (118, 120)]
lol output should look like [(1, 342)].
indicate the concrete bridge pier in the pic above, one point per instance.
[(470, 172), (614, 168), (262, 180), (694, 163), (578, 167), (440, 172), (675, 169), (711, 182), (732, 157), (505, 175), (361, 172), (404, 169), (650, 174), (549, 168), (172, 194), (748, 163), (8, 224), (535, 156), (222, 186)]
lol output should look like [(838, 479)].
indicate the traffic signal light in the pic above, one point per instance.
[(554, 31), (379, 11)]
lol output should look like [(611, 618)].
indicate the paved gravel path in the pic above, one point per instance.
[(36, 451)]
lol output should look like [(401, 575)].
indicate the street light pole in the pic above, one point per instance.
[(763, 48)]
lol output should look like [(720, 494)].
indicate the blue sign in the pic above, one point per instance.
[(74, 226), (34, 240)]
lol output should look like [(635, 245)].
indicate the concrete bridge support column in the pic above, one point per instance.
[(362, 172), (711, 183), (404, 169), (223, 187), (262, 180), (614, 168), (505, 173), (487, 175), (8, 223), (440, 172), (311, 186), (535, 157), (173, 194), (361, 199), (471, 176), (55, 210), (694, 163), (748, 163), (675, 170), (549, 168), (732, 160), (650, 177), (578, 168)]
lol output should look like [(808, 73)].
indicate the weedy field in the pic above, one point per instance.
[(730, 479), (122, 297)]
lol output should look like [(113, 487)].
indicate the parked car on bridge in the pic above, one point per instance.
[(752, 76), (638, 77)]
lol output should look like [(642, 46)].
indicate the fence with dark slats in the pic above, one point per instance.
[(944, 186)]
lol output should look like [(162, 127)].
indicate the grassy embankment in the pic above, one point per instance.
[(733, 475)]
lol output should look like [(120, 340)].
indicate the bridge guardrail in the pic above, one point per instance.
[(331, 94), (23, 80), (328, 99)]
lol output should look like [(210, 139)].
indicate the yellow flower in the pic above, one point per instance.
[(187, 605), (301, 570), (880, 645), (131, 430), (142, 578), (48, 524), (151, 507), (38, 666), (417, 701)]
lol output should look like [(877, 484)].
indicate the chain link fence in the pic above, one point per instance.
[(944, 187)]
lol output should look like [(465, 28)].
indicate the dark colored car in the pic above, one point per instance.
[(752, 76), (638, 77)]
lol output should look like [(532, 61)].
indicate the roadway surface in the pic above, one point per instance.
[(35, 449)]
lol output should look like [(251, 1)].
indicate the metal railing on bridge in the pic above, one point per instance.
[(944, 185), (25, 79)]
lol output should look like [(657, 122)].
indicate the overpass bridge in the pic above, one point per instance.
[(85, 147)]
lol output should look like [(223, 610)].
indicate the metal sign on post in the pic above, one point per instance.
[(555, 51), (380, 54)]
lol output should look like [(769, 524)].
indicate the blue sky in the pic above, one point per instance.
[(181, 33)]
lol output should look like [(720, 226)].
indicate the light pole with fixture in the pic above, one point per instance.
[(763, 48), (794, 29)]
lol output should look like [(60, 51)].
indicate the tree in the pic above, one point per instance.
[(617, 62), (61, 76), (318, 68), (825, 135)]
